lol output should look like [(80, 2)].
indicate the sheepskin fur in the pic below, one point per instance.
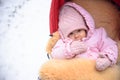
[(76, 69), (52, 41)]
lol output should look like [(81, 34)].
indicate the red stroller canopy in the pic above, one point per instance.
[(54, 12)]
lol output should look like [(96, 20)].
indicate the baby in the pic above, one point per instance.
[(80, 39)]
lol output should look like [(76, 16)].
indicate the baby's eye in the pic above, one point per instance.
[(78, 30), (71, 33)]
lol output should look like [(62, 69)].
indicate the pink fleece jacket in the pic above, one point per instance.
[(97, 41)]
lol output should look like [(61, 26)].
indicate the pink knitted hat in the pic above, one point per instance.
[(70, 20), (72, 16)]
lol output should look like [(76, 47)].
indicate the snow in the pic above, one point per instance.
[(24, 32)]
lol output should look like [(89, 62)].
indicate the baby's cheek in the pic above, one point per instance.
[(71, 37)]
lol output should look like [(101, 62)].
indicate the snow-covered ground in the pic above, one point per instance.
[(24, 32)]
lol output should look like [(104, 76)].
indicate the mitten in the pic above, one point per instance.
[(102, 63), (77, 47)]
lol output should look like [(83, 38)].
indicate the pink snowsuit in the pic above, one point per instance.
[(97, 41)]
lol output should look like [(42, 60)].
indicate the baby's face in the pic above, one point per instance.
[(77, 34)]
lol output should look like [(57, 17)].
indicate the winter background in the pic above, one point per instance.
[(24, 32)]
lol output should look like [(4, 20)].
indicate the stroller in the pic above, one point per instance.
[(71, 70)]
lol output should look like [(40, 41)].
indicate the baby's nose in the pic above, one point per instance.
[(76, 35)]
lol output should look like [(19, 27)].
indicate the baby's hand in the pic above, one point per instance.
[(78, 47), (102, 63)]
